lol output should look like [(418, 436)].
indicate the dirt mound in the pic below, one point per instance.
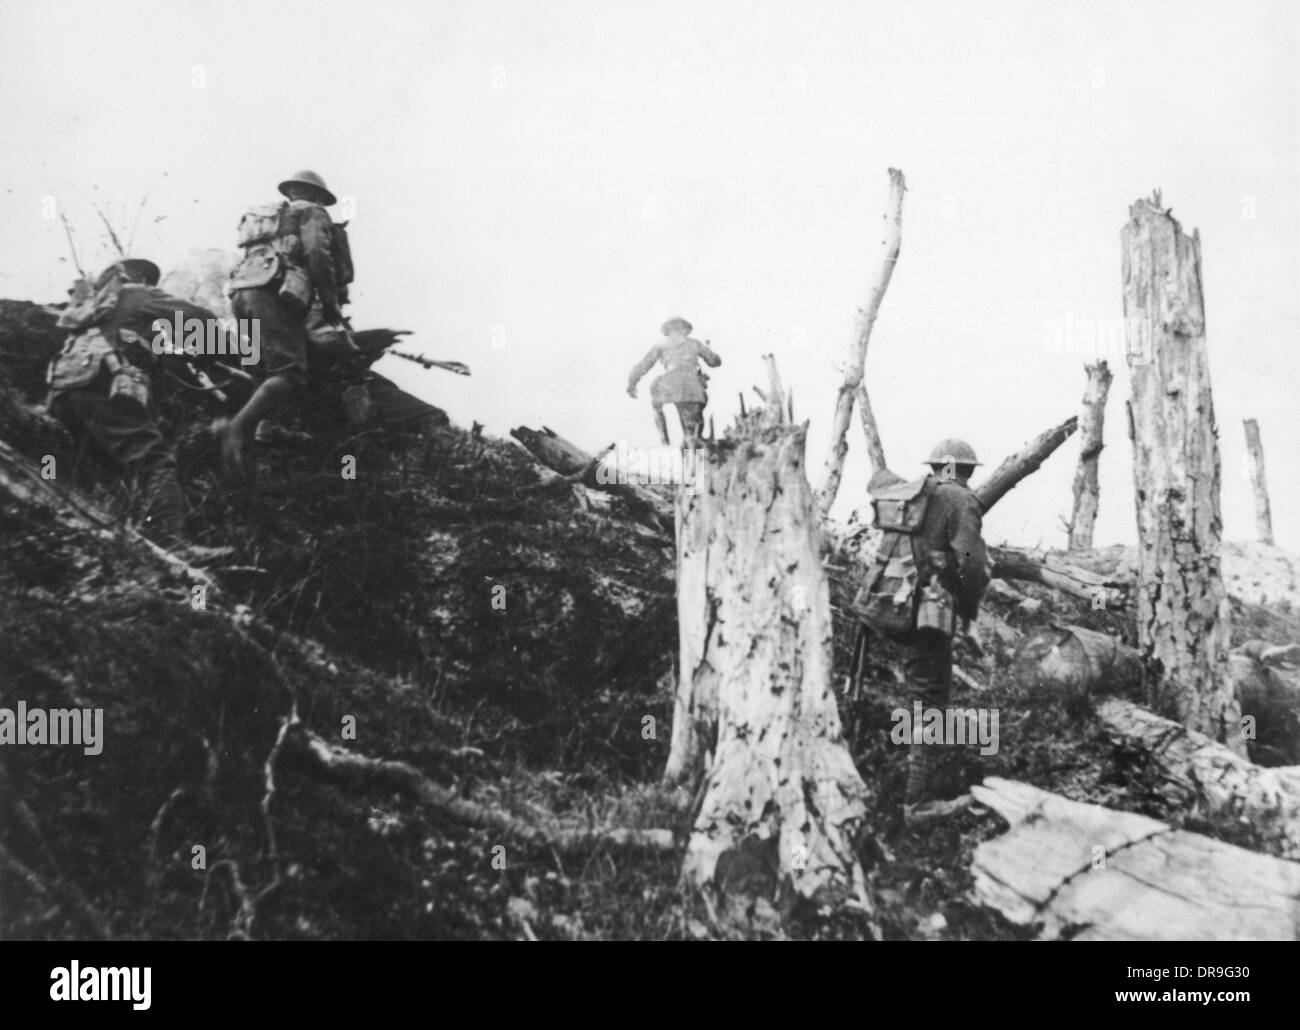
[(440, 599)]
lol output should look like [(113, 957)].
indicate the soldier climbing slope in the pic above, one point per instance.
[(682, 385), (100, 387), (293, 278), (925, 585)]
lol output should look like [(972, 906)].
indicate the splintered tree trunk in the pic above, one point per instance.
[(1263, 514), (1086, 488), (889, 249), (875, 449), (1182, 606), (1016, 466), (782, 798)]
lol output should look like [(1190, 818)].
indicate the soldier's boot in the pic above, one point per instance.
[(921, 802), (163, 519), (234, 433), (922, 773)]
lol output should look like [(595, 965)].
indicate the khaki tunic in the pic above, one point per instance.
[(681, 383), (952, 528)]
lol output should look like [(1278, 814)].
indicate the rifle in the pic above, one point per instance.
[(450, 366)]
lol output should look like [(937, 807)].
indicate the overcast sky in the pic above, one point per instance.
[(535, 187)]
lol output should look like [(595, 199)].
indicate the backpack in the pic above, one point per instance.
[(887, 599), (261, 224), (341, 252)]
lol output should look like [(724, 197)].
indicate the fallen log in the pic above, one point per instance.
[(1074, 661), (552, 450), (571, 461), (1222, 785), (1073, 871), (1268, 687), (1049, 570)]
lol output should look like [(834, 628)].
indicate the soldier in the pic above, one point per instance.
[(288, 277), (925, 584), (100, 386), (953, 575), (682, 385)]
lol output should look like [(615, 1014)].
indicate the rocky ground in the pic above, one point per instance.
[(469, 620)]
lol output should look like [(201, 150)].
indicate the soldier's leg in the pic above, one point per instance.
[(130, 437), (661, 423), (691, 414), (284, 360), (928, 669)]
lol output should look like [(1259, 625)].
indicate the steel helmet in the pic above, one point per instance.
[(134, 269), (309, 178), (954, 451), (677, 323)]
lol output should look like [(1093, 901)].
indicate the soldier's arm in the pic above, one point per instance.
[(314, 232), (965, 525), (710, 358), (141, 308), (642, 367)]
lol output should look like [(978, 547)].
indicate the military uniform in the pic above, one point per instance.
[(112, 337), (949, 550), (681, 384), (303, 248), (285, 280)]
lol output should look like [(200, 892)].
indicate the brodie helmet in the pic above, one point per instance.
[(309, 178), (134, 269), (954, 451)]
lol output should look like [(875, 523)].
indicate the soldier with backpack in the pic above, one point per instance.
[(293, 278), (101, 387), (924, 587)]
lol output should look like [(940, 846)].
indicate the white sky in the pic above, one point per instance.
[(568, 175)]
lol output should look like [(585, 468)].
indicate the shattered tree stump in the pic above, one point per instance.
[(755, 684), (1087, 489), (1182, 605), (1073, 871), (1259, 482)]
